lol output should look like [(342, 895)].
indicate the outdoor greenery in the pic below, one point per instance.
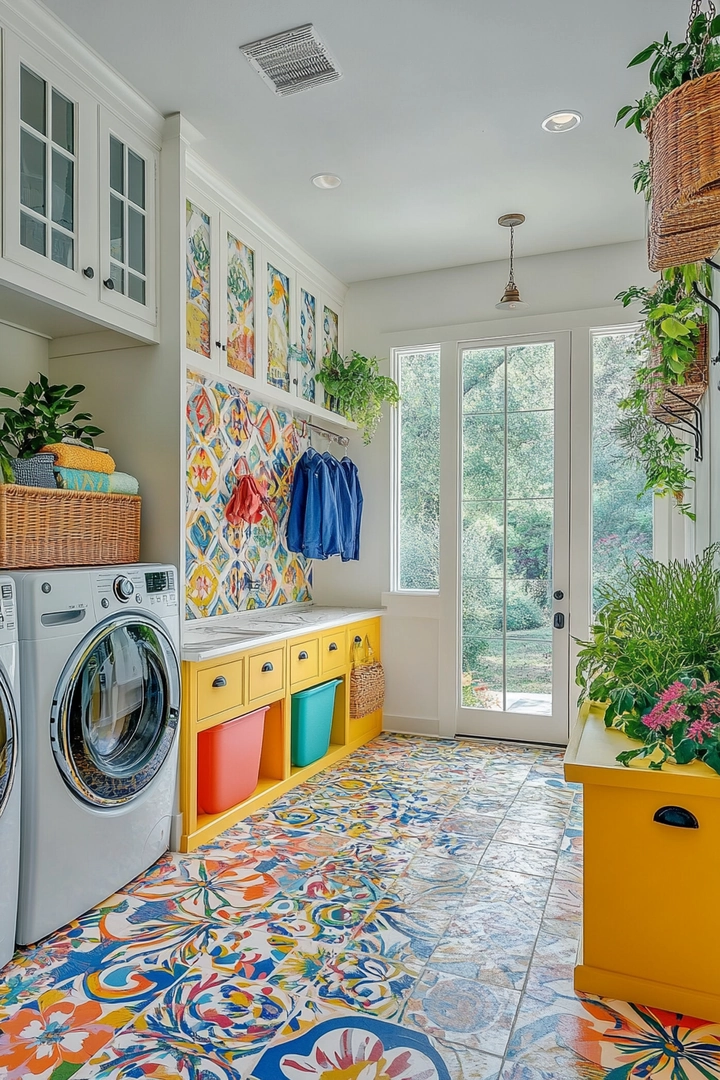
[(658, 628), (40, 418), (358, 388)]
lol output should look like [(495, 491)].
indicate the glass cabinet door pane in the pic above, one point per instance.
[(62, 249), (32, 172), (63, 122), (136, 179), (136, 288), (32, 234), (117, 231), (32, 100), (117, 275), (62, 191), (117, 170), (136, 240)]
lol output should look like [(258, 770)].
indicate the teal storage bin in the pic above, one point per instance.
[(312, 713)]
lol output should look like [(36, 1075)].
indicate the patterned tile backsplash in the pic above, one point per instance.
[(233, 568)]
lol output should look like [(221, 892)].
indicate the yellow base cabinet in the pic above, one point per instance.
[(651, 876), (226, 687)]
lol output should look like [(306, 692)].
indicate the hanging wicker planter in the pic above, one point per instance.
[(684, 137), (672, 405)]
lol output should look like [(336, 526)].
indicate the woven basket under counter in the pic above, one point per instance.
[(682, 398), (42, 528), (684, 137)]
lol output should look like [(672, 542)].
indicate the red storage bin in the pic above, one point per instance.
[(229, 762)]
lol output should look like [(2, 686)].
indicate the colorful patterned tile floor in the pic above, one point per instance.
[(411, 914)]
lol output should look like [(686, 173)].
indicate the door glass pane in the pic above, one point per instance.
[(62, 249), (63, 122), (32, 100), (32, 233), (419, 470), (136, 240), (508, 448), (117, 275), (62, 190), (117, 231), (136, 288), (622, 522), (117, 169), (33, 178), (136, 179)]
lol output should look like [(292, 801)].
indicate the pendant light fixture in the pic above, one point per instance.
[(511, 297)]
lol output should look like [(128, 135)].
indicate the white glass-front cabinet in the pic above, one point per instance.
[(79, 191), (246, 305)]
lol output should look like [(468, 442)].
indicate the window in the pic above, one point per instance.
[(417, 512), (622, 523), (127, 221)]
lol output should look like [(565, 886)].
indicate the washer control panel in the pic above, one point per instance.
[(123, 588), (8, 621), (148, 586)]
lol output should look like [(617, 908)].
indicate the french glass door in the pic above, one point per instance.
[(513, 605)]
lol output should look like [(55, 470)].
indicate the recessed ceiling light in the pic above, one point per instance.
[(326, 180), (562, 121)]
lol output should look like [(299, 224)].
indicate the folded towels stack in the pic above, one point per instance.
[(80, 468)]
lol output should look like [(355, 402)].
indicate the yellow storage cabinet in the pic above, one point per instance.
[(651, 876)]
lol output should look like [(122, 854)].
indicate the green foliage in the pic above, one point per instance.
[(38, 419), (671, 66), (359, 389), (662, 455), (682, 726), (641, 179), (660, 625)]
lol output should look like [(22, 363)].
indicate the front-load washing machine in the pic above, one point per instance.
[(9, 770), (100, 690)]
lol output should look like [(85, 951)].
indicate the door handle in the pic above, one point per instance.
[(267, 667), (220, 681), (332, 647), (558, 620), (357, 640), (676, 816), (302, 656)]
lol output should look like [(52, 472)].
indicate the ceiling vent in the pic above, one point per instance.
[(293, 61)]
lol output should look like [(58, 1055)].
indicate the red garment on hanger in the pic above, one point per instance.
[(246, 503)]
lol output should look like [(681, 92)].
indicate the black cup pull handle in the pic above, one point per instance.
[(358, 640), (109, 283), (677, 817), (220, 681), (267, 667), (303, 655), (332, 647)]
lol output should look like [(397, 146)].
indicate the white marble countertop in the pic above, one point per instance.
[(206, 639)]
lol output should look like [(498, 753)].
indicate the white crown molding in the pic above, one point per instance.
[(32, 21), (202, 175), (177, 127)]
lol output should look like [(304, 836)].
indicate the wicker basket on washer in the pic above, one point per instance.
[(681, 398), (684, 136), (46, 527)]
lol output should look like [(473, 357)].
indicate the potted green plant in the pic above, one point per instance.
[(358, 388), (653, 660), (39, 418)]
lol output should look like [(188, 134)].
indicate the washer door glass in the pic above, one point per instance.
[(117, 711), (8, 743)]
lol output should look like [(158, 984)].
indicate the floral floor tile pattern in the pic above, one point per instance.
[(411, 914)]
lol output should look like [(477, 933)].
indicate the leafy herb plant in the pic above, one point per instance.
[(39, 418), (359, 389)]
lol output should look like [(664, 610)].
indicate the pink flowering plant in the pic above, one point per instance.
[(683, 725)]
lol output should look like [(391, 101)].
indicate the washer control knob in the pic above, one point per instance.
[(123, 588)]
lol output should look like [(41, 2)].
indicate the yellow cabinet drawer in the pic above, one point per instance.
[(220, 688), (333, 650), (304, 661), (267, 673)]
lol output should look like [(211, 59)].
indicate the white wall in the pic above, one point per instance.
[(562, 291), (23, 356)]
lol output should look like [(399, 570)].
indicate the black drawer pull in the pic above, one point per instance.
[(676, 816), (220, 681), (267, 667), (358, 640), (303, 655), (332, 647)]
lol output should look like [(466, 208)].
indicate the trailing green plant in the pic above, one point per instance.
[(358, 388), (662, 624), (662, 456), (641, 179), (672, 65), (37, 419)]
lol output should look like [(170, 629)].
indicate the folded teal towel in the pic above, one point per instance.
[(82, 480), (123, 484)]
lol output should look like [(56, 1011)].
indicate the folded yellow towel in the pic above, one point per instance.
[(68, 456)]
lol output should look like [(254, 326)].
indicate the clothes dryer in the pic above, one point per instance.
[(9, 770), (99, 656)]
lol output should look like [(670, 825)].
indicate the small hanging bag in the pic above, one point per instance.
[(367, 681)]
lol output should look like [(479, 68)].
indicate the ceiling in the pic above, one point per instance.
[(434, 128)]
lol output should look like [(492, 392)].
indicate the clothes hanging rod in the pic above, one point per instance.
[(303, 425)]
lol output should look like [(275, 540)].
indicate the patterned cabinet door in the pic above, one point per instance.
[(240, 262), (279, 285), (198, 282), (307, 340), (331, 340)]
